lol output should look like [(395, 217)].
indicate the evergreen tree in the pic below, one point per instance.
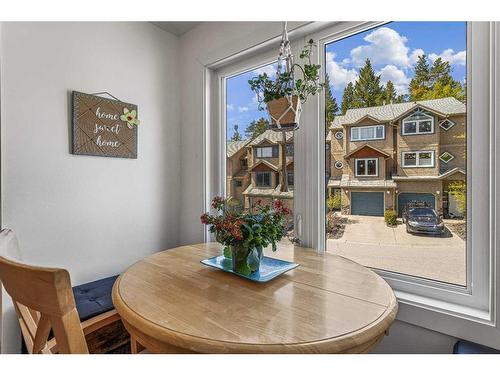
[(389, 93), (368, 92), (256, 128), (420, 84), (236, 135), (331, 106), (347, 98)]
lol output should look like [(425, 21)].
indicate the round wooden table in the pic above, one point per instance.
[(171, 303)]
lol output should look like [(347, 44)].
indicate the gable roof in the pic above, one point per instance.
[(360, 148), (266, 163), (390, 112), (232, 147), (271, 136)]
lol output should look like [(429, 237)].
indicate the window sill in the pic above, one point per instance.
[(451, 319)]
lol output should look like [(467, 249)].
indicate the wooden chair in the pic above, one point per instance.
[(44, 302)]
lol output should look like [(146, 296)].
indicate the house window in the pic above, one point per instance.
[(266, 152), (418, 123), (339, 135), (238, 183), (446, 157), (367, 133), (366, 167), (339, 164), (289, 178), (446, 124), (243, 163), (289, 149), (263, 179), (416, 159)]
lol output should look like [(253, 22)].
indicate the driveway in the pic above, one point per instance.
[(368, 241)]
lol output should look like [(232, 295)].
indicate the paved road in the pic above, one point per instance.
[(368, 241)]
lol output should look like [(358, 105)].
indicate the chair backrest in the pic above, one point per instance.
[(43, 300)]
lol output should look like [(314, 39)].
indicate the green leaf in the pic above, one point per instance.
[(227, 252)]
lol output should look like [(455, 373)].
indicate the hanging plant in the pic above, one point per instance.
[(283, 95)]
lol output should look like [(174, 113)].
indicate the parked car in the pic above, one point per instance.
[(421, 218)]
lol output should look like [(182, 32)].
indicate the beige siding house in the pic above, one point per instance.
[(383, 157)]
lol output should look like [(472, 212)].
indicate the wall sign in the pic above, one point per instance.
[(104, 127)]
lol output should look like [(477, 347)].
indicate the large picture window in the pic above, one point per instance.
[(415, 159), (418, 123), (366, 167), (367, 133)]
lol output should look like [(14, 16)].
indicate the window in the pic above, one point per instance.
[(339, 164), (416, 159), (289, 149), (367, 133), (243, 163), (366, 167), (339, 135), (266, 152), (238, 183), (263, 179), (446, 124), (289, 177), (418, 123), (446, 157)]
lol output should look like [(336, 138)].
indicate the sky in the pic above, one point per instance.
[(392, 48)]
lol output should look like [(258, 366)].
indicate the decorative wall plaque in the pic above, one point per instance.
[(104, 127)]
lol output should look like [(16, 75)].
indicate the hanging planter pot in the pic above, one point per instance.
[(284, 112)]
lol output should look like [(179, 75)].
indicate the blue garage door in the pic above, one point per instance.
[(368, 204), (404, 198)]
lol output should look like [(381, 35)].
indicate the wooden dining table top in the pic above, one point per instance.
[(171, 303)]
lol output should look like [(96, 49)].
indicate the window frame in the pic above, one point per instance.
[(267, 173), (367, 127), (446, 152), (453, 123), (366, 167), (274, 152), (417, 123), (417, 159), (469, 313), (288, 174)]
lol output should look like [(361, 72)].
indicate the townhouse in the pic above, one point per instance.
[(383, 157)]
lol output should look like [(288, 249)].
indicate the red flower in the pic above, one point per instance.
[(278, 204), (204, 218)]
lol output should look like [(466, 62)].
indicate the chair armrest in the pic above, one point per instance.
[(99, 321)]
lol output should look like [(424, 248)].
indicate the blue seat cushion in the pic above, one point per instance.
[(94, 298), (466, 347)]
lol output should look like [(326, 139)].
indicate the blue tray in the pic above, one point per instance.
[(268, 270)]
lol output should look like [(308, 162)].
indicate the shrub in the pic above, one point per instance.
[(391, 217), (333, 202), (332, 221)]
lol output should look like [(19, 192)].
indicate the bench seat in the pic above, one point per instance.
[(94, 298), (466, 347)]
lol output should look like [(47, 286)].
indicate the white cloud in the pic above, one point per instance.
[(243, 109), (230, 107), (397, 76), (449, 55), (385, 46), (339, 76), (270, 70), (415, 54)]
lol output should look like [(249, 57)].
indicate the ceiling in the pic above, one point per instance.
[(176, 28)]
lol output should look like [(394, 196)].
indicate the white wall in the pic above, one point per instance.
[(92, 215), (204, 45)]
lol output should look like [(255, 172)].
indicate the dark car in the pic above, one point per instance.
[(421, 218)]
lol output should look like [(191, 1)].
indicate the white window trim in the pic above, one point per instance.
[(449, 153), (403, 165), (467, 313), (417, 122), (366, 127), (453, 123), (261, 149), (270, 179), (366, 169)]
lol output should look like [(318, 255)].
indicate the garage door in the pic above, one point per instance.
[(368, 204), (404, 198)]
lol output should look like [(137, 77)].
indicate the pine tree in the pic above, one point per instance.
[(368, 92), (331, 106), (420, 84), (347, 98), (256, 128), (236, 135), (389, 93)]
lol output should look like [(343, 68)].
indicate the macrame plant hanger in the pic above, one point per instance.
[(286, 64)]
